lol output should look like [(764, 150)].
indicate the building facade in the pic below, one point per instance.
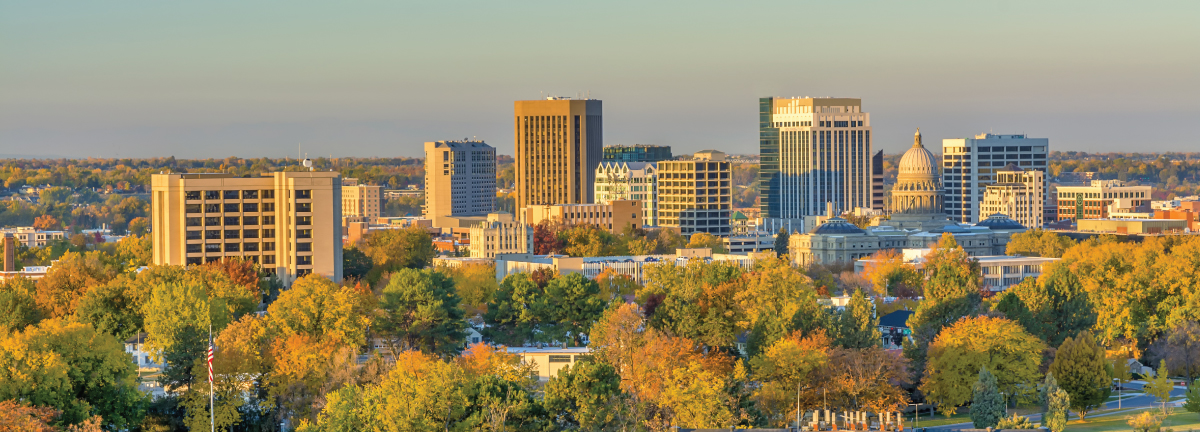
[(1019, 194), (695, 195), (500, 234), (813, 151), (558, 143), (970, 164), (614, 216), (1134, 226), (360, 202), (31, 237), (636, 153), (1095, 201), (629, 181), (877, 194), (460, 179), (287, 222), (838, 241)]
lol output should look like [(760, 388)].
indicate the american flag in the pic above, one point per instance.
[(210, 359)]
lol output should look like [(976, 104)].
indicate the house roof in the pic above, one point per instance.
[(897, 319)]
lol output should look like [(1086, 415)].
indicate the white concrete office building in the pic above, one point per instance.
[(629, 181), (969, 165)]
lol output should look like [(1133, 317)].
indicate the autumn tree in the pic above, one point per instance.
[(868, 379), (588, 240), (775, 299), (73, 368), (1057, 412), (699, 300), (18, 304), (706, 240), (1039, 243), (890, 275), (115, 308), (996, 344), (68, 280), (475, 284), (420, 311), (545, 238), (951, 292), (1160, 386), (614, 286), (791, 366), (394, 249), (1180, 347), (316, 307), (1082, 371), (47, 223)]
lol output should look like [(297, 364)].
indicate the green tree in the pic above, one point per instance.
[(987, 404), (1192, 399), (858, 327), (1015, 422), (781, 242), (1160, 386), (392, 250), (586, 396), (510, 319), (569, 307), (1057, 305), (1049, 386), (1058, 404), (951, 292), (18, 306), (73, 368), (420, 311), (318, 308), (115, 307), (1082, 371), (355, 263), (996, 344)]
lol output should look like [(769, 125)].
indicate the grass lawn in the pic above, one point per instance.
[(936, 420), (1180, 421)]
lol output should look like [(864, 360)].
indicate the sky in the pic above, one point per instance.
[(264, 78)]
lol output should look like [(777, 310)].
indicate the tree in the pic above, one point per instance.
[(890, 275), (420, 312), (776, 299), (987, 404), (868, 379), (781, 243), (858, 327), (1180, 347), (1058, 404), (1039, 243), (1081, 370), (706, 240), (47, 223), (1192, 399), (18, 305), (184, 302), (569, 307), (1160, 386), (73, 368), (545, 238), (68, 280), (395, 249), (1015, 422), (474, 283), (699, 300), (974, 343), (355, 263), (114, 308), (614, 286), (510, 319), (1049, 386), (1053, 308), (951, 292), (318, 308), (587, 396), (589, 240), (139, 226)]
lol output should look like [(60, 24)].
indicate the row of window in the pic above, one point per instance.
[(239, 220), (242, 194), (229, 234), (239, 247), (231, 207)]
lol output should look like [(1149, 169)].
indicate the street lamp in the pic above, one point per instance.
[(916, 415), (1005, 397), (1118, 381)]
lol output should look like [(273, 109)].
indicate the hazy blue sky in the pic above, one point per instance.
[(249, 79)]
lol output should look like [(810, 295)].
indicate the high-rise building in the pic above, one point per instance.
[(1099, 199), (360, 202), (637, 153), (558, 146), (814, 151), (629, 181), (969, 164), (877, 195), (287, 222), (460, 180), (500, 234), (694, 195), (614, 216), (1018, 194)]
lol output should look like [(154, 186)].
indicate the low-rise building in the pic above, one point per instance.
[(836, 240), (31, 237), (1017, 193), (1133, 226), (894, 329), (633, 266), (752, 242), (614, 216), (549, 361), (141, 356), (500, 234), (999, 272), (1094, 201)]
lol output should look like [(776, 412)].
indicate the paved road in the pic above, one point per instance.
[(1128, 402)]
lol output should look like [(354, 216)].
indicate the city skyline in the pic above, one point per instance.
[(221, 79)]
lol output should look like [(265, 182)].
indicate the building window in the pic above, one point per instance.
[(268, 247), (233, 220), (195, 248), (303, 247), (304, 260), (192, 208), (268, 259), (194, 221), (212, 234), (250, 194), (233, 247), (212, 208), (304, 233), (268, 194), (250, 220), (212, 195), (231, 207), (250, 207), (250, 233), (304, 207), (232, 234), (251, 247), (212, 247), (194, 235), (212, 221), (559, 359), (192, 195), (303, 194)]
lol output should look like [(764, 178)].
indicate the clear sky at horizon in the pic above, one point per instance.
[(251, 79)]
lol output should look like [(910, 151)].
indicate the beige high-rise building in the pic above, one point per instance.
[(1018, 194), (559, 144), (360, 202), (287, 222), (460, 180), (694, 195), (500, 234)]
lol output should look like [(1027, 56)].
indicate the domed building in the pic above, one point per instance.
[(917, 197)]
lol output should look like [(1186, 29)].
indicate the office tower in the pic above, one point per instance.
[(614, 216), (1098, 200), (636, 153), (877, 182), (969, 164), (694, 195), (500, 234), (629, 181), (460, 180), (1018, 194), (814, 151), (360, 202), (558, 146), (287, 222)]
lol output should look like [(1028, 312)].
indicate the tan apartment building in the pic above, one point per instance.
[(460, 180), (32, 237), (695, 195), (287, 222), (360, 202), (500, 234), (559, 144), (1094, 201), (614, 216), (1133, 226), (1018, 194)]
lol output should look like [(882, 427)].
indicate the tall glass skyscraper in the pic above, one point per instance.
[(813, 151)]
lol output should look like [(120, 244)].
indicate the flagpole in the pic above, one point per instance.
[(212, 416)]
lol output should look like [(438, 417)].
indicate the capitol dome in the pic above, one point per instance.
[(918, 189), (918, 160)]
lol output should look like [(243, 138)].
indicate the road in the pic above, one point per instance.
[(1129, 402)]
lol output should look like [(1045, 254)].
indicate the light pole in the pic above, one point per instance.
[(1118, 380), (916, 415), (1005, 397)]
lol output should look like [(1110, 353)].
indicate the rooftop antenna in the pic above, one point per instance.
[(307, 163)]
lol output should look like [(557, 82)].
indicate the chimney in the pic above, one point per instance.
[(10, 253), (829, 208)]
